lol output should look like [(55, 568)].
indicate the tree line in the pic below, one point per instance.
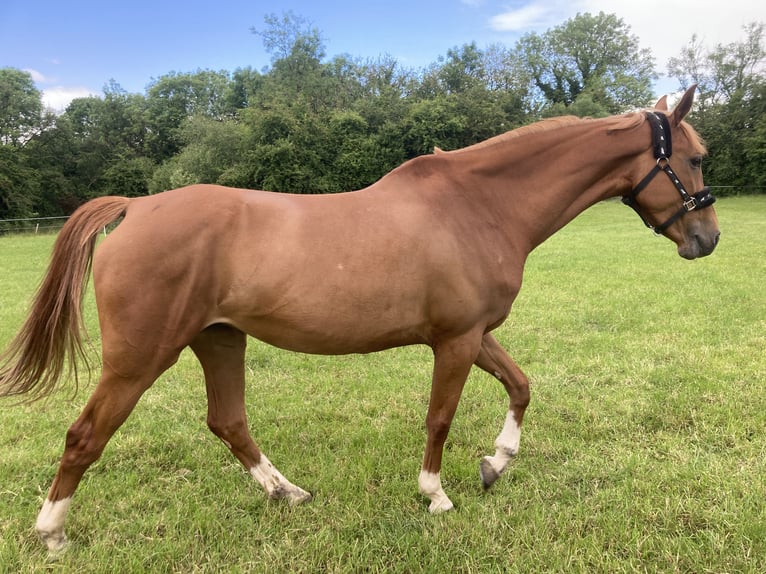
[(312, 124)]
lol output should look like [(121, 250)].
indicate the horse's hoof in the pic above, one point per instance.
[(440, 506), (56, 546), (301, 497), (488, 473)]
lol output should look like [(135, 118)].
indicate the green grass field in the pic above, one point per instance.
[(644, 447)]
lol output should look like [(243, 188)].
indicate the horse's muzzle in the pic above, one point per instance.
[(699, 245)]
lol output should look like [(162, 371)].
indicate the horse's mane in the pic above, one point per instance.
[(537, 127), (628, 121)]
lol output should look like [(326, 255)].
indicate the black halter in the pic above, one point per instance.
[(663, 148)]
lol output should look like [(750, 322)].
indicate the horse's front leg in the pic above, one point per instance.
[(452, 362), (493, 359)]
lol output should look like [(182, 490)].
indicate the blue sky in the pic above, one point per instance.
[(74, 48)]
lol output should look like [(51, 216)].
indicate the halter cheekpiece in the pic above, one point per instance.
[(663, 149)]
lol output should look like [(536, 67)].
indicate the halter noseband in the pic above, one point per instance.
[(663, 148)]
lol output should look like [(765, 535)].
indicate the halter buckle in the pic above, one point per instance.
[(690, 204)]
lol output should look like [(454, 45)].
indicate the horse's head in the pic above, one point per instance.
[(665, 205)]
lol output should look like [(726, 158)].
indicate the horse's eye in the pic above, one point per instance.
[(696, 162)]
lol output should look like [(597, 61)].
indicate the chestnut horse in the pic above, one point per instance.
[(432, 254)]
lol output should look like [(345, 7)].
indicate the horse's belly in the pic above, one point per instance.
[(326, 335)]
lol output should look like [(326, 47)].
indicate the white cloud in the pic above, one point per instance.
[(535, 15), (663, 26), (666, 26), (521, 19), (57, 98), (37, 77)]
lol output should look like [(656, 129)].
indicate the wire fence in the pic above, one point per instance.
[(32, 225)]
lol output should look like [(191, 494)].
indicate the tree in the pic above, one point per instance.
[(20, 107), (283, 35), (384, 86), (469, 96), (724, 72), (754, 145), (358, 156), (504, 71), (297, 74), (108, 142), (122, 123), (211, 147), (53, 156), (434, 122), (731, 110), (19, 185), (21, 119), (463, 69), (173, 98), (245, 84), (593, 56)]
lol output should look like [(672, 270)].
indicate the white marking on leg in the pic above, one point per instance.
[(506, 444), (50, 524), (276, 485), (430, 484)]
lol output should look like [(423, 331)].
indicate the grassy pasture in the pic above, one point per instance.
[(644, 448)]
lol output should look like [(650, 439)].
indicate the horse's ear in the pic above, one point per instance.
[(438, 150), (662, 104), (684, 106)]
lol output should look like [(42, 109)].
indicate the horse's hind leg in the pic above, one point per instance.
[(493, 359), (108, 407), (221, 351)]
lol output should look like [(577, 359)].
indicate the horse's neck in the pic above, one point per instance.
[(540, 182)]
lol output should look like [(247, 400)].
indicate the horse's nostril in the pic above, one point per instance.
[(716, 238)]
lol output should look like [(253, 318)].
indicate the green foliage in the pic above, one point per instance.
[(725, 71), (20, 107), (18, 184), (589, 56), (210, 148), (309, 124), (754, 143), (289, 34), (22, 122), (433, 123), (128, 176), (173, 98), (350, 138), (731, 114)]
